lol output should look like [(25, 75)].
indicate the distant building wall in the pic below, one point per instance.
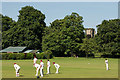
[(90, 32)]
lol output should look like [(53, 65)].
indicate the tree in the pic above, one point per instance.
[(28, 29), (31, 26), (89, 46), (108, 36), (7, 25), (0, 33), (63, 37)]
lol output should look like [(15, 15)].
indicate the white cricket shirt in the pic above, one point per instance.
[(42, 65), (106, 61), (48, 63), (35, 60), (37, 65), (56, 65), (16, 66)]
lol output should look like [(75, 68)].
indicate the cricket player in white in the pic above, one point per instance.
[(106, 62), (56, 66), (48, 67), (41, 68), (17, 68), (34, 60), (37, 66)]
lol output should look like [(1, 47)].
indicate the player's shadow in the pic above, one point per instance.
[(49, 73), (109, 69), (21, 75), (55, 73), (52, 73)]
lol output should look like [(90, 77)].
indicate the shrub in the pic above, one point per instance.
[(29, 56), (20, 56), (11, 56), (48, 54), (5, 56), (44, 55), (40, 55), (0, 56), (91, 55)]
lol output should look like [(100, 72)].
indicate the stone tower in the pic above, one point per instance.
[(90, 32)]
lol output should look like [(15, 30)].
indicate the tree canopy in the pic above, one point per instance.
[(0, 31), (7, 31), (108, 36), (27, 31), (63, 37), (7, 23)]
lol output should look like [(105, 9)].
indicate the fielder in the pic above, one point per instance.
[(48, 67), (41, 68), (56, 66), (37, 66), (34, 60), (17, 69), (106, 62)]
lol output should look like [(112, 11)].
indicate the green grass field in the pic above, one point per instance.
[(69, 68)]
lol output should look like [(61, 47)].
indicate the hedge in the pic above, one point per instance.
[(45, 55), (21, 56), (13, 56)]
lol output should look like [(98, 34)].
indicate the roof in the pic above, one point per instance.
[(28, 51), (34, 51), (13, 49), (31, 51)]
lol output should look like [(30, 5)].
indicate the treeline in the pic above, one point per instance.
[(64, 37)]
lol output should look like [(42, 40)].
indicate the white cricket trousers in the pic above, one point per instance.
[(37, 71), (17, 72), (107, 68), (48, 69), (57, 70), (41, 72)]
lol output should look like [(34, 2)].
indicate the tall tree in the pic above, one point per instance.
[(0, 31), (7, 25), (28, 29), (30, 26), (108, 36), (64, 36), (89, 46)]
